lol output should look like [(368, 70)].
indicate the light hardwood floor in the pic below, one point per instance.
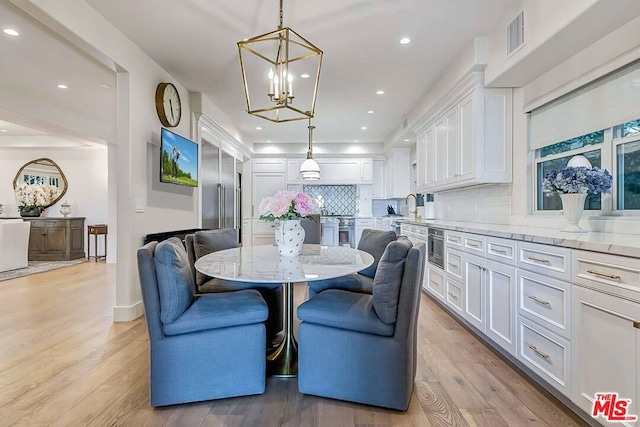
[(63, 362)]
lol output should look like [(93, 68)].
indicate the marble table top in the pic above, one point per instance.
[(263, 264)]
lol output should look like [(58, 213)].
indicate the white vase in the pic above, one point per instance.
[(572, 207), (289, 237), (65, 208)]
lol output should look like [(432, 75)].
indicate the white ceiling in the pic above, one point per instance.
[(195, 41), (33, 111)]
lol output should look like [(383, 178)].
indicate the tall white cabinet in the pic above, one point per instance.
[(466, 139)]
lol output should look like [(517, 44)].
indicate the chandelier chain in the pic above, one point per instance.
[(281, 25)]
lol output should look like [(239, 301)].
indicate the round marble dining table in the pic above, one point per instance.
[(263, 264)]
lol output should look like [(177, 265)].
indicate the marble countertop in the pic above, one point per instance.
[(611, 243)]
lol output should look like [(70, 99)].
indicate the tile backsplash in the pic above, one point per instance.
[(335, 199)]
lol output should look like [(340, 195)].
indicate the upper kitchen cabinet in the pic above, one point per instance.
[(467, 140), (398, 173), (334, 171), (377, 191)]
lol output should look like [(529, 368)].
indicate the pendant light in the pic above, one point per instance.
[(309, 169), (272, 64)]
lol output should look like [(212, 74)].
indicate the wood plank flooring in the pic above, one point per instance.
[(63, 362)]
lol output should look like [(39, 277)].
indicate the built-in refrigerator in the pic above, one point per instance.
[(218, 187)]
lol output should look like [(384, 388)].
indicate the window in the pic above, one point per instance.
[(556, 157), (627, 148), (616, 149)]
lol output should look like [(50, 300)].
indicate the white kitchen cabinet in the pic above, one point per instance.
[(382, 224), (430, 162), (246, 231), (329, 234), (501, 305), (398, 173), (293, 171), (377, 191), (606, 348), (334, 171), (265, 184), (435, 284), (421, 153), (474, 291), (451, 119), (268, 165), (469, 138), (440, 175)]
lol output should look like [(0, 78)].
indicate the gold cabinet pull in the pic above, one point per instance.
[(433, 282), (538, 352), (499, 251), (607, 275), (473, 246), (454, 296), (453, 265), (538, 300), (542, 260)]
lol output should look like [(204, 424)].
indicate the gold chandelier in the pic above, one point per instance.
[(272, 64)]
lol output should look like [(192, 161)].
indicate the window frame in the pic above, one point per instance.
[(614, 170)]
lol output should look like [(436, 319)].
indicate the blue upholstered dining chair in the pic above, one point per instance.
[(372, 241), (360, 347), (204, 242), (201, 348)]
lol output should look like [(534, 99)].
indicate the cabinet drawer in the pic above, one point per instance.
[(502, 250), (453, 264), (364, 223), (263, 227), (545, 300), (545, 353), (454, 295), (422, 232), (473, 244), (544, 259), (609, 273), (453, 239), (435, 285)]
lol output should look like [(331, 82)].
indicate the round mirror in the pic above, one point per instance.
[(44, 172)]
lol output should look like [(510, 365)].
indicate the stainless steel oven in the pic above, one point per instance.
[(435, 244), (347, 231)]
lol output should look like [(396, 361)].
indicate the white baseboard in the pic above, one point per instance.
[(128, 313)]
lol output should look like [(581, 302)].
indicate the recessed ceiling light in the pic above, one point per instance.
[(11, 32), (268, 140), (357, 140), (380, 92), (406, 140), (258, 128), (3, 130), (405, 40), (363, 128), (61, 86), (106, 86), (305, 76), (370, 112)]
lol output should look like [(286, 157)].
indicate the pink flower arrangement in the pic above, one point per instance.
[(285, 205)]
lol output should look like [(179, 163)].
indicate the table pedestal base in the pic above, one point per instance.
[(283, 362)]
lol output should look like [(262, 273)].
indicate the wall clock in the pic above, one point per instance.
[(168, 104)]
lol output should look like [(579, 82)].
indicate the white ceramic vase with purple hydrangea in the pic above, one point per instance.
[(573, 184)]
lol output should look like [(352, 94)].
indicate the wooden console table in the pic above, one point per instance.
[(56, 239)]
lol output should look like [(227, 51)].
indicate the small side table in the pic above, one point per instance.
[(96, 230)]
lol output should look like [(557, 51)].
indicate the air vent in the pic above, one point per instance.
[(515, 34), (405, 123)]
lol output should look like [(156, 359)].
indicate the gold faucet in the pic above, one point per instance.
[(415, 212)]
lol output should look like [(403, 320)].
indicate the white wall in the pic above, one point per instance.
[(86, 173), (554, 31), (166, 207)]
